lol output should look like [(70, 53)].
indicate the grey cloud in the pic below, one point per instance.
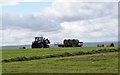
[(72, 11), (32, 22)]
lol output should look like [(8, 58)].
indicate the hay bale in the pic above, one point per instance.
[(71, 42)]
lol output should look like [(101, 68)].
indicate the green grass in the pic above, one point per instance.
[(107, 62), (6, 54), (56, 65)]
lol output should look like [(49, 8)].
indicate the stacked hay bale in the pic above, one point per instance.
[(71, 42)]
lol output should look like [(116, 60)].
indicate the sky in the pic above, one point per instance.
[(86, 20)]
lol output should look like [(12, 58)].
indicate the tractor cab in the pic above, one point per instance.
[(39, 39)]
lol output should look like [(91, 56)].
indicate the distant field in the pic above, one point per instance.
[(91, 63)]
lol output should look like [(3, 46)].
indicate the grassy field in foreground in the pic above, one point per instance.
[(94, 63)]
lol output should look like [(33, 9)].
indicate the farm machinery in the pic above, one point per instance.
[(40, 42), (71, 43)]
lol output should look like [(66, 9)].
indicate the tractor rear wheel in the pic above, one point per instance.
[(41, 45)]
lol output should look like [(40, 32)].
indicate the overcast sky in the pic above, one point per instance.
[(88, 21)]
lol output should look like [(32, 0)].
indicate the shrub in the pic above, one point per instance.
[(112, 45)]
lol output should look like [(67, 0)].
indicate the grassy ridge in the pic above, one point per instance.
[(93, 63)]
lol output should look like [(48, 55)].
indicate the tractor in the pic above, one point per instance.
[(40, 42)]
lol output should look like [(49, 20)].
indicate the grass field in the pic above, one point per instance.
[(91, 63)]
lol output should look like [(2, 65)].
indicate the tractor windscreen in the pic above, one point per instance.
[(39, 38)]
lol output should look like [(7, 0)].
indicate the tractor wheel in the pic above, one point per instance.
[(34, 45), (41, 45)]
